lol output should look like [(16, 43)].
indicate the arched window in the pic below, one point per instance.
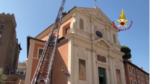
[(81, 24), (114, 38)]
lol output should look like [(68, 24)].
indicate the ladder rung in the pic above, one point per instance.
[(42, 76), (46, 61), (44, 69), (45, 65), (43, 73)]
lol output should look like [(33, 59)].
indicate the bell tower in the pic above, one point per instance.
[(7, 41)]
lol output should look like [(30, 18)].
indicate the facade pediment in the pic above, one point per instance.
[(95, 13), (103, 42)]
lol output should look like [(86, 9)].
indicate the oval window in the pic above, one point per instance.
[(99, 34)]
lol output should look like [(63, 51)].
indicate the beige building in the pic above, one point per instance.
[(21, 68), (88, 49)]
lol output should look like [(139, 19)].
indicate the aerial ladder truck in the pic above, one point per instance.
[(43, 71)]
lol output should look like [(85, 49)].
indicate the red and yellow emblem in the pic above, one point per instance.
[(122, 22)]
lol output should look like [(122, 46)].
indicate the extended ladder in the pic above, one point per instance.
[(44, 67)]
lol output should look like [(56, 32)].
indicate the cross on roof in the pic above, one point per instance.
[(95, 2)]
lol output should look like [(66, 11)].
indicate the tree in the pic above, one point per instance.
[(2, 76), (127, 52)]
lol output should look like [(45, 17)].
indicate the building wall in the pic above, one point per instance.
[(135, 74), (61, 60), (7, 39), (84, 44), (62, 31), (17, 53), (83, 48)]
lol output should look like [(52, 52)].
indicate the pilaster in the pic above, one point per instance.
[(123, 73), (89, 66), (114, 71), (111, 67), (94, 66), (108, 76), (70, 61)]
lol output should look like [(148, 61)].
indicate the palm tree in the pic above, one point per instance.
[(2, 76)]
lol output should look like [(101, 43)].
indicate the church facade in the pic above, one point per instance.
[(88, 49)]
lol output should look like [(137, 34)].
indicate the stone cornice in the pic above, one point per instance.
[(103, 64), (114, 51), (71, 36)]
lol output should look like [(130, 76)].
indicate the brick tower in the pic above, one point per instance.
[(9, 47)]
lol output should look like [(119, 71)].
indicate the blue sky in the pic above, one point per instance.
[(33, 16)]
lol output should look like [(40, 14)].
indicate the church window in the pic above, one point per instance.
[(81, 24), (129, 69), (118, 76), (114, 38), (136, 72), (99, 34), (68, 30), (133, 70), (40, 52), (82, 69)]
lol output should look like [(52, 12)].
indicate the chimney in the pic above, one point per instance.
[(142, 68), (130, 61)]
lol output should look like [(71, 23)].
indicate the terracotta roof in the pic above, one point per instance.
[(135, 66)]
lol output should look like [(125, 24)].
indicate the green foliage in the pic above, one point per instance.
[(127, 52), (2, 76)]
